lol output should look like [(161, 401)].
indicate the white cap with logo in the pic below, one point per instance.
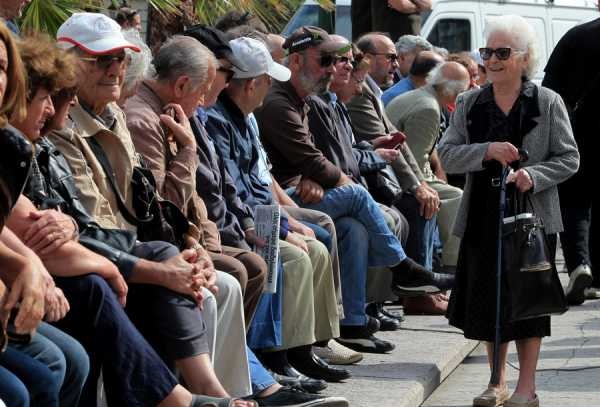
[(94, 33), (257, 59)]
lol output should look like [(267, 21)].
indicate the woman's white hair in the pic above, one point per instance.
[(523, 37), (138, 63)]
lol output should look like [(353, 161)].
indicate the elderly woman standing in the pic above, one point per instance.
[(487, 128)]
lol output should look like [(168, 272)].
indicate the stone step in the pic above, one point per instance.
[(427, 351)]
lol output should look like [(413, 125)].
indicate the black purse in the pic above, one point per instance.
[(532, 280), (155, 218)]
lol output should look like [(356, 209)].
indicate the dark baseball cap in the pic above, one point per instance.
[(216, 41), (309, 36)]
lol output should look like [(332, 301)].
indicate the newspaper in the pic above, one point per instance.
[(266, 222)]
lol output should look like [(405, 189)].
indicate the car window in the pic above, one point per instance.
[(305, 15), (454, 34), (343, 21)]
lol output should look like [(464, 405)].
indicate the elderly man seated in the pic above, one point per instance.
[(162, 303), (319, 184), (184, 70), (417, 113)]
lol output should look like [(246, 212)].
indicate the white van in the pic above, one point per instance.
[(457, 25)]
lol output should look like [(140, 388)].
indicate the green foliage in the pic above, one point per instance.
[(274, 13), (48, 15)]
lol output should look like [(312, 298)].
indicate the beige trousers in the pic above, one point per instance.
[(450, 198), (323, 220), (309, 306), (226, 334)]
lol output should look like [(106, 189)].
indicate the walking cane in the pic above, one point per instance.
[(495, 378)]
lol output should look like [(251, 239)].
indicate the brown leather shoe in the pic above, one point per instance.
[(518, 400), (492, 397), (430, 304)]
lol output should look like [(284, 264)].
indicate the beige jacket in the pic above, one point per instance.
[(95, 191)]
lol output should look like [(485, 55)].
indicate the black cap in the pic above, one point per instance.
[(309, 36), (216, 41)]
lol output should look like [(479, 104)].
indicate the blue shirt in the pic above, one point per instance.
[(399, 88)]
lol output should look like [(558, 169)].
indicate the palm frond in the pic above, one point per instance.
[(46, 16), (166, 7)]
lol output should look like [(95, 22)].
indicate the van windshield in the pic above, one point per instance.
[(454, 34)]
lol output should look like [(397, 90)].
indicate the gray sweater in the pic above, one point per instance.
[(553, 155)]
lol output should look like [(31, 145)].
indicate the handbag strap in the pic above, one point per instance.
[(108, 170)]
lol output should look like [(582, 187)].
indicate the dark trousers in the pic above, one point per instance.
[(134, 374), (375, 15), (579, 233), (171, 322)]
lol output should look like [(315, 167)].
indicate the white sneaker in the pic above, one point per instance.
[(337, 354), (580, 279)]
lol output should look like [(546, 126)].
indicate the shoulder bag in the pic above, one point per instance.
[(155, 218)]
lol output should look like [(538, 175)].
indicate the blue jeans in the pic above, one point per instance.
[(259, 376), (134, 374), (321, 234), (25, 381), (265, 329), (364, 241), (423, 232), (64, 356)]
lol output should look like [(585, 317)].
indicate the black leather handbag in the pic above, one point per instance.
[(155, 218), (532, 280)]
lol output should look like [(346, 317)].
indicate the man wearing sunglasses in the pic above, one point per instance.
[(317, 183)]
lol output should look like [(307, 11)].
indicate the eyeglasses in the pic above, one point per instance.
[(228, 73), (103, 62), (328, 59), (501, 53), (346, 60), (392, 57)]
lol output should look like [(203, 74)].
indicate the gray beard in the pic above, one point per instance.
[(315, 87)]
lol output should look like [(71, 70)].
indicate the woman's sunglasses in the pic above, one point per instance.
[(501, 53)]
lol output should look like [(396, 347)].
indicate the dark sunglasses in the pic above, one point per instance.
[(104, 62), (346, 60), (391, 57), (328, 59), (228, 73), (501, 53)]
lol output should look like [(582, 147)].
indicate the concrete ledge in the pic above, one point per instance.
[(427, 351)]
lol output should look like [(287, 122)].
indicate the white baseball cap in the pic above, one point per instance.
[(257, 59), (94, 33)]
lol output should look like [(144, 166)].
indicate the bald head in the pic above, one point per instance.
[(275, 47), (448, 80), (424, 62), (342, 41), (384, 61)]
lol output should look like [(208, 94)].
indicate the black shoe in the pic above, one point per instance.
[(385, 323), (277, 362), (287, 396), (397, 314), (411, 279), (579, 280), (367, 344), (301, 382), (306, 362)]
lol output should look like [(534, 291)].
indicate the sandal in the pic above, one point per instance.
[(491, 397), (208, 401), (518, 400)]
